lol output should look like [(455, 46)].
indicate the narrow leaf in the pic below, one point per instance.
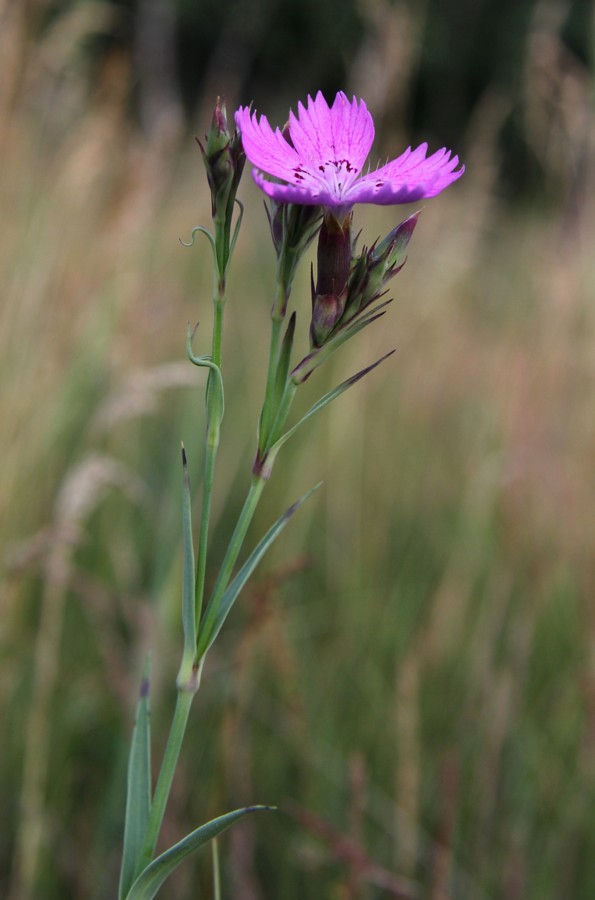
[(284, 387), (282, 413), (282, 394), (236, 229), (328, 398), (188, 584), (148, 883), (315, 359), (206, 637), (138, 796), (284, 359)]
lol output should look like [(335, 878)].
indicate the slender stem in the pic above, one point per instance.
[(211, 448), (268, 411), (267, 407), (203, 538), (166, 774), (222, 232), (186, 692), (268, 418), (219, 304), (214, 411), (216, 870)]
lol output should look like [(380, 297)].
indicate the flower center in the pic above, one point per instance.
[(335, 175)]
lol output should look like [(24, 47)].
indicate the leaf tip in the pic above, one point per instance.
[(261, 807), (145, 687)]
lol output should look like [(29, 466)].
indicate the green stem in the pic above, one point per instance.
[(187, 690), (168, 767), (277, 318), (188, 687), (268, 418), (268, 405), (216, 870), (222, 232), (219, 304), (211, 448)]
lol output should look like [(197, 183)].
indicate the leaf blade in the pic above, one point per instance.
[(326, 399), (206, 638), (188, 580), (138, 792), (150, 880)]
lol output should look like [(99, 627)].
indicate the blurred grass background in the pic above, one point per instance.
[(411, 676)]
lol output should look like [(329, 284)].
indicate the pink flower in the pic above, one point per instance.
[(321, 160)]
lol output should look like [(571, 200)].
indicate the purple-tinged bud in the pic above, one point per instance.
[(374, 267), (392, 249), (293, 228), (334, 263), (224, 160)]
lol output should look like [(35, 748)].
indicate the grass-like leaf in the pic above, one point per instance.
[(236, 229), (284, 360), (138, 798), (150, 880), (188, 585), (206, 637), (318, 356), (273, 409), (328, 398)]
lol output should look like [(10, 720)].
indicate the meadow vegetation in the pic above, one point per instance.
[(411, 674)]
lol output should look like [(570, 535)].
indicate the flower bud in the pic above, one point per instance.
[(374, 267), (224, 160), (334, 262), (293, 228)]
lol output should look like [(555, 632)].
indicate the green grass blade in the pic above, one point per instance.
[(206, 638), (148, 882), (188, 587), (138, 797)]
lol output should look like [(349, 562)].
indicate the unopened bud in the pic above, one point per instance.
[(374, 267), (334, 262), (293, 228), (224, 160)]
